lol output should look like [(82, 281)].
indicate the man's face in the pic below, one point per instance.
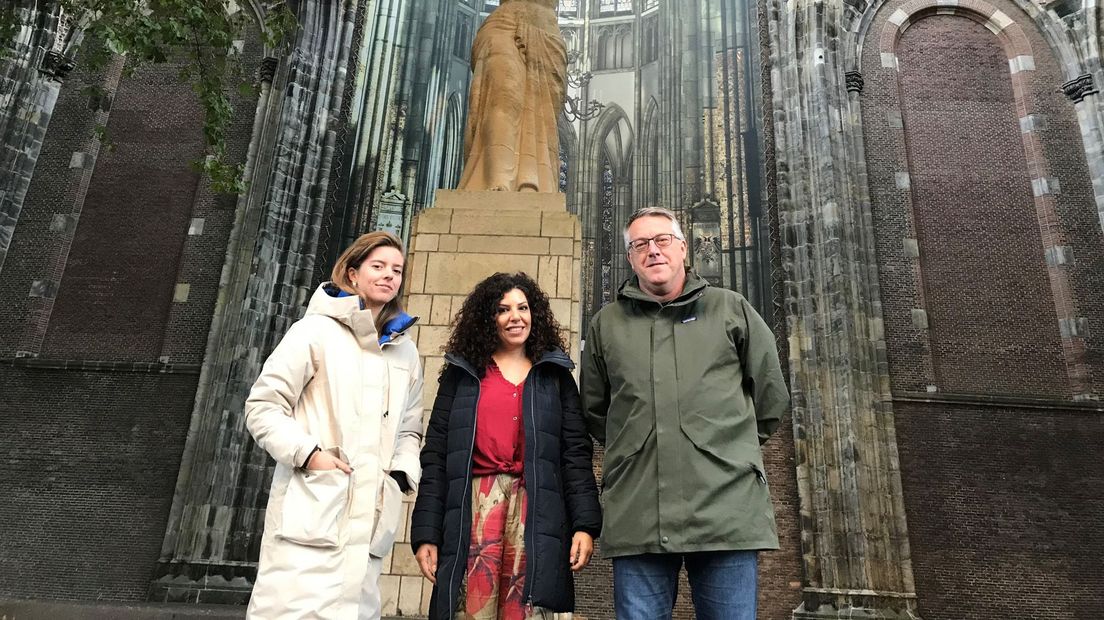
[(660, 269)]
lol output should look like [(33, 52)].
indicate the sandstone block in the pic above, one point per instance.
[(432, 221), (456, 274), (505, 201), (503, 244), (495, 222)]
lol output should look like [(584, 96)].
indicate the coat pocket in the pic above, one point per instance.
[(316, 508), (388, 517)]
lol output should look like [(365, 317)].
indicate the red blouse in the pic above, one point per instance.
[(499, 432)]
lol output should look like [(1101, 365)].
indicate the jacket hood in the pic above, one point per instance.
[(345, 308), (695, 284), (557, 357)]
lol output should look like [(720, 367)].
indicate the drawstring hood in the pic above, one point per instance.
[(348, 309)]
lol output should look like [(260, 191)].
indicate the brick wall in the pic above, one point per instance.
[(89, 463), (120, 279), (991, 315), (1001, 499), (89, 458), (1004, 510), (54, 190)]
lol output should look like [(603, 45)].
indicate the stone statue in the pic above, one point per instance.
[(519, 63)]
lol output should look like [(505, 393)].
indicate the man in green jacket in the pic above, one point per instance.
[(681, 383)]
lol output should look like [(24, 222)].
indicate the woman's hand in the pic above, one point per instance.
[(427, 561), (322, 460), (582, 547)]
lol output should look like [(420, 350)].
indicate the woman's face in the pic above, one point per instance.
[(379, 277), (513, 319)]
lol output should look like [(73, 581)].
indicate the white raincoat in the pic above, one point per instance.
[(330, 383)]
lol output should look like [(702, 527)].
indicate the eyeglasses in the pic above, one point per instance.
[(637, 246)]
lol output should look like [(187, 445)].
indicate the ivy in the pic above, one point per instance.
[(202, 33)]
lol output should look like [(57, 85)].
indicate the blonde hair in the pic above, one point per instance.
[(356, 254)]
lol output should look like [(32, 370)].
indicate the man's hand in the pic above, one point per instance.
[(427, 561), (322, 460), (582, 547)]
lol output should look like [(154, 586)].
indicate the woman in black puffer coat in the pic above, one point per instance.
[(506, 445)]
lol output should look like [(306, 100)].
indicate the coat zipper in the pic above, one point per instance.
[(530, 544), (467, 502)]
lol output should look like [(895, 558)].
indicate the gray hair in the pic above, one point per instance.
[(654, 212)]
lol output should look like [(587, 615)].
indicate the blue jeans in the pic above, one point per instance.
[(723, 584)]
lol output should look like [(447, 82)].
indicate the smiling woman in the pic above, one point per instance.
[(336, 497), (507, 488)]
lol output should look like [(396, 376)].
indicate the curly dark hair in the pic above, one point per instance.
[(474, 331)]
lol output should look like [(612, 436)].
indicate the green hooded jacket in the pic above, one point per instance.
[(682, 395)]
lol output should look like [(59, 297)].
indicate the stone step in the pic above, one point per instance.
[(13, 609)]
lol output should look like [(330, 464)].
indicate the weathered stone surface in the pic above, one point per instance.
[(503, 244), (265, 285), (854, 535), (511, 223), (480, 200)]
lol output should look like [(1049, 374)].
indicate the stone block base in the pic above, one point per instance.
[(867, 609), (468, 236)]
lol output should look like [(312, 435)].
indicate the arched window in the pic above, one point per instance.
[(462, 43), (625, 50), (615, 48), (611, 202), (452, 154)]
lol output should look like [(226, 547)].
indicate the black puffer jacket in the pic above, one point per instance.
[(559, 481)]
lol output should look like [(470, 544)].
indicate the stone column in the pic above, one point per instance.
[(466, 237), (214, 530), (1085, 96), (854, 535), (32, 70)]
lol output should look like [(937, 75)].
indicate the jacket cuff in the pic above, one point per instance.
[(306, 446), (409, 466), (594, 532)]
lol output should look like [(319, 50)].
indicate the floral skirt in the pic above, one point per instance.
[(494, 583)]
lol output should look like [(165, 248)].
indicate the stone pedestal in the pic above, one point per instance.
[(466, 237)]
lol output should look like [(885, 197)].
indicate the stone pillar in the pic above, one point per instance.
[(853, 528), (466, 237), (212, 539), (32, 69), (1085, 96)]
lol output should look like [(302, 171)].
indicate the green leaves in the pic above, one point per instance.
[(199, 33)]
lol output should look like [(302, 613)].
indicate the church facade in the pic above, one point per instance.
[(910, 191)]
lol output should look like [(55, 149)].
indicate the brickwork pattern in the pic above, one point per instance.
[(980, 118), (990, 309), (1004, 510), (119, 281), (46, 223), (88, 466), (982, 257), (95, 453)]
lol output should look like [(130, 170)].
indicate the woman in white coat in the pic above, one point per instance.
[(339, 406)]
